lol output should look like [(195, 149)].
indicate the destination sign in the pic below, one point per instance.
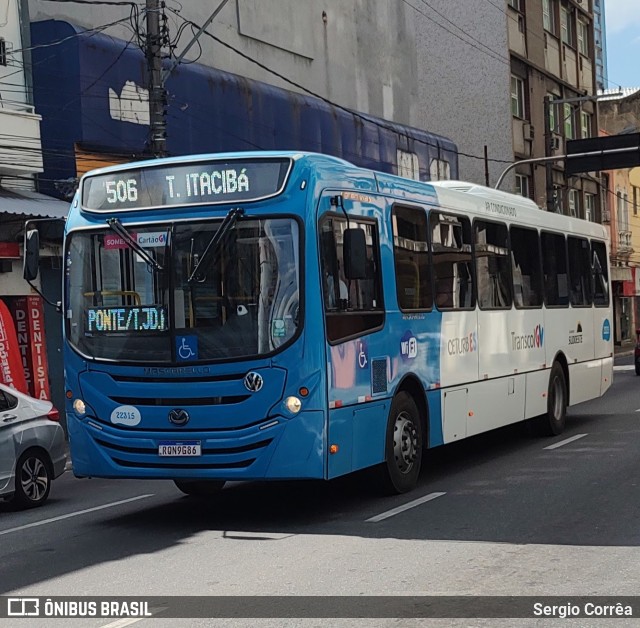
[(185, 184), (126, 319)]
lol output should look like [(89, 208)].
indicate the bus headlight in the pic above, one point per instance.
[(293, 404), (80, 407)]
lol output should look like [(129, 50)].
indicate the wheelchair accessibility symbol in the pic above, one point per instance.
[(362, 355), (187, 348)]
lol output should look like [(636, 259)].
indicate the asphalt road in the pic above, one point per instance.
[(499, 514)]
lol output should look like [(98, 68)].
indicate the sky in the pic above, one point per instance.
[(622, 20)]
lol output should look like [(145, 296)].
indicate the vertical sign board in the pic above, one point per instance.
[(38, 361), (11, 370), (20, 311)]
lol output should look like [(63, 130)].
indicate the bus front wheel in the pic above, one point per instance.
[(552, 423), (403, 447), (200, 488)]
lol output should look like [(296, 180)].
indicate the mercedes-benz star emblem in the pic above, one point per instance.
[(179, 416), (253, 381)]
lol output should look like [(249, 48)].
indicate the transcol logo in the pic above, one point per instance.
[(528, 341)]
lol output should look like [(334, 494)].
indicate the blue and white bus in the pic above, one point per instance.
[(260, 316)]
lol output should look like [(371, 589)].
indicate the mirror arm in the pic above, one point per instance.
[(57, 305)]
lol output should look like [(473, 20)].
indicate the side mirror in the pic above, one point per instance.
[(31, 254), (355, 254)]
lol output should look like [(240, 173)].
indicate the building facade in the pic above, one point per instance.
[(440, 67), (553, 70), (600, 44), (620, 114), (21, 160)]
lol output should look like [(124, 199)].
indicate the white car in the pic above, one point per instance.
[(32, 448)]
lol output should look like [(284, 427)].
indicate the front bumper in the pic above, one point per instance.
[(276, 448)]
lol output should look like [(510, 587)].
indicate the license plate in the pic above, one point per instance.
[(179, 448)]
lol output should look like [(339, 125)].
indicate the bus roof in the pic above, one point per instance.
[(463, 196)]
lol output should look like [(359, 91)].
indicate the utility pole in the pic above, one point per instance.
[(157, 93), (548, 147)]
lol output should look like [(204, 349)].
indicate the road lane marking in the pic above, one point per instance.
[(124, 622), (77, 513), (399, 509), (624, 367), (565, 441), (127, 621)]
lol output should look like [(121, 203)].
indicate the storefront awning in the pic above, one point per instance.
[(619, 273), (25, 203)]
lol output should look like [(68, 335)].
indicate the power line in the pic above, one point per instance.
[(355, 114), (492, 53)]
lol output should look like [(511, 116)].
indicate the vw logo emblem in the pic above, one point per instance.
[(179, 416), (253, 381)]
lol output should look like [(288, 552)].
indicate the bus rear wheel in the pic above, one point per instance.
[(403, 448), (552, 423), (200, 488)]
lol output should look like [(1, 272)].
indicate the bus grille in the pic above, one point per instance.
[(194, 466), (379, 376), (166, 401)]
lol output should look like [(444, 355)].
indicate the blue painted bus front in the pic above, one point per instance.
[(256, 436)]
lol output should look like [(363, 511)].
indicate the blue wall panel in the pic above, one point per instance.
[(208, 111)]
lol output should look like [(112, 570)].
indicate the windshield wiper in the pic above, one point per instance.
[(118, 227), (228, 222)]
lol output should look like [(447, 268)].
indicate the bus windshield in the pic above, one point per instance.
[(244, 302)]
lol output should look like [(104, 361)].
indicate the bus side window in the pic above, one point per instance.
[(526, 267), (554, 268), (451, 255), (352, 307), (411, 253), (579, 271), (492, 265), (600, 273)]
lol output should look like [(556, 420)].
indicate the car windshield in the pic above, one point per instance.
[(242, 303)]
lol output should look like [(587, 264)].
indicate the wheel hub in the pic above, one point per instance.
[(34, 479), (405, 442)]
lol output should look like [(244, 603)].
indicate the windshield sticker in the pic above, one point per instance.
[(278, 329), (126, 415), (146, 240), (126, 319), (186, 348)]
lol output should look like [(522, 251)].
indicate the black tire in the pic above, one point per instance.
[(552, 423), (200, 488), (33, 479), (404, 446)]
